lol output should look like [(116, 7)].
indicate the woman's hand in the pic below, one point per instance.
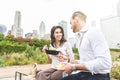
[(45, 48), (62, 58)]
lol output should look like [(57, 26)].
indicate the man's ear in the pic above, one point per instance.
[(76, 19)]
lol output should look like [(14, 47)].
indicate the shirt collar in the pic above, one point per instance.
[(83, 30)]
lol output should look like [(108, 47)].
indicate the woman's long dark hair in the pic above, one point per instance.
[(53, 38)]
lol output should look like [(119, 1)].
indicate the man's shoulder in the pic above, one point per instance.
[(93, 33), (94, 30)]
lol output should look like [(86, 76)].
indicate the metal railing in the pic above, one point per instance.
[(19, 74)]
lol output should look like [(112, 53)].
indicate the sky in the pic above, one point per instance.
[(52, 11)]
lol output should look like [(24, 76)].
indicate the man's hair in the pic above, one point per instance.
[(79, 14)]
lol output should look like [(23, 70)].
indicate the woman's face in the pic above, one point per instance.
[(58, 34)]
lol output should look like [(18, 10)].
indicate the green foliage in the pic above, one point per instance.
[(11, 44), (115, 56), (17, 51), (19, 47), (75, 50), (36, 42), (1, 36), (115, 50), (10, 47), (115, 72), (5, 46), (29, 51), (10, 37), (76, 54), (42, 58), (16, 59), (44, 42), (2, 62)]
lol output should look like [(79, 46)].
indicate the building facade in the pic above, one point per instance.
[(35, 34), (16, 29), (42, 30), (111, 28), (63, 24)]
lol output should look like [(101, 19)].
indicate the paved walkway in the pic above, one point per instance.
[(8, 73), (7, 78)]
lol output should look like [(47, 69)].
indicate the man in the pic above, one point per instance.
[(95, 59)]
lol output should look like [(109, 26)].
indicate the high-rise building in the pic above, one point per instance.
[(111, 28), (63, 24), (42, 30), (118, 8), (16, 27), (35, 34)]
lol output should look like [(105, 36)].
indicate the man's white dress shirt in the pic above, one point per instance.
[(93, 50)]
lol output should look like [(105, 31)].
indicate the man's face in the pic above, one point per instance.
[(73, 25)]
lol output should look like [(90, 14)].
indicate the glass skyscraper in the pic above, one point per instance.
[(42, 30), (63, 24)]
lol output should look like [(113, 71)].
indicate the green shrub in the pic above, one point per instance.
[(42, 58), (10, 61), (115, 50), (17, 59), (1, 36), (76, 54), (75, 50), (29, 51), (11, 47), (115, 71), (2, 62)]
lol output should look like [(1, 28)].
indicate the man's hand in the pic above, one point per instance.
[(68, 68)]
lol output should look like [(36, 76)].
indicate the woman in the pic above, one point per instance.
[(59, 43)]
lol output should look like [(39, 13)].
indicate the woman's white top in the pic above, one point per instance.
[(66, 49)]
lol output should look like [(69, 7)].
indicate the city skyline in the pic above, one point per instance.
[(52, 12)]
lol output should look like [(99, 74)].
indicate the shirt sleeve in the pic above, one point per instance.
[(101, 51), (69, 51)]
